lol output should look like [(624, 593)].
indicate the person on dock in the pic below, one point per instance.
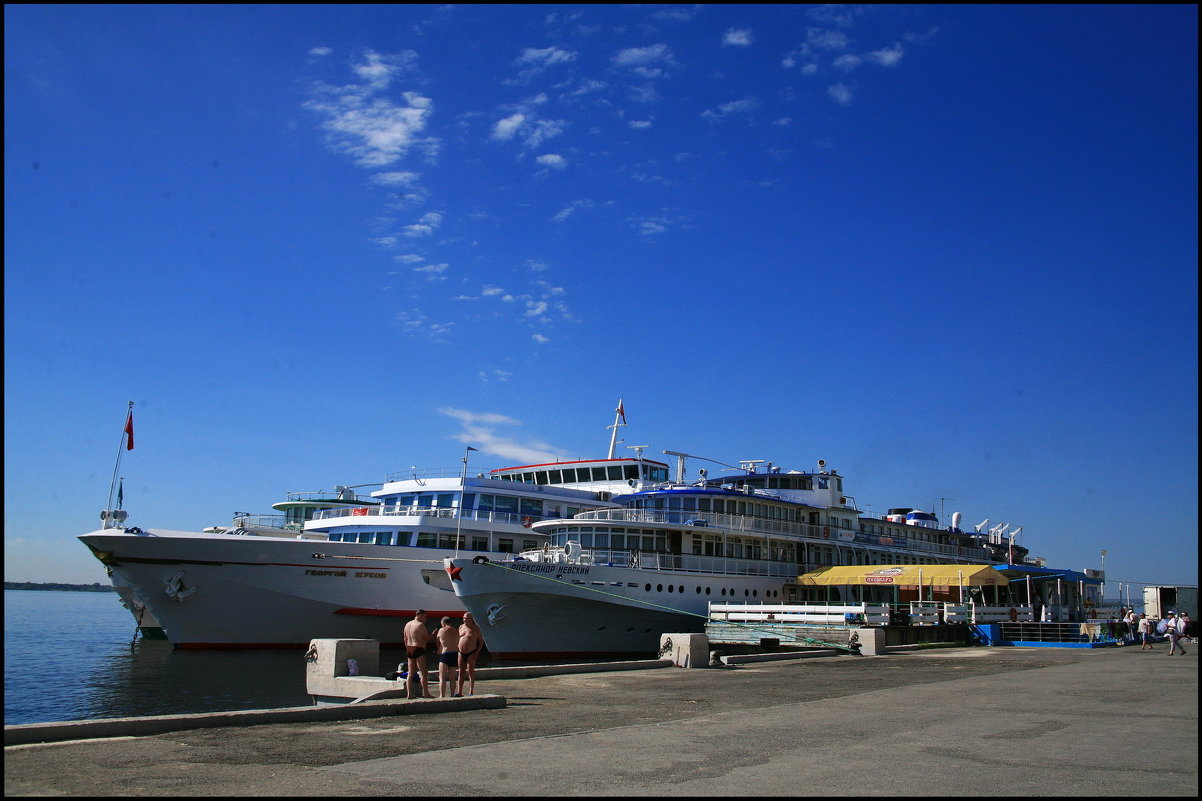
[(417, 637), (471, 642), (1132, 624), (1145, 633), (1174, 630), (448, 658)]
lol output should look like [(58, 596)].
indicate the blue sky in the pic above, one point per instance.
[(951, 250)]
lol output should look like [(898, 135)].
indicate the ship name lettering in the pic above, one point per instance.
[(325, 572), (370, 575)]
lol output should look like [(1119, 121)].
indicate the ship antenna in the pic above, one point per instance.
[(619, 420)]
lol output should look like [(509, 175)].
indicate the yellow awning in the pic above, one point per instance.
[(907, 575)]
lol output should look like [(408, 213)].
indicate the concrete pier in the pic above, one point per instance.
[(942, 722)]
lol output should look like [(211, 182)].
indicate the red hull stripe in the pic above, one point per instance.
[(432, 613)]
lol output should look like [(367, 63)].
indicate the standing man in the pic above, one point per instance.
[(448, 658), (417, 637), (1175, 631), (1132, 624), (1145, 633), (470, 644)]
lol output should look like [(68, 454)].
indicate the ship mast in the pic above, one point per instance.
[(619, 420)]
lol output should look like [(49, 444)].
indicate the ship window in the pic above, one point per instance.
[(530, 507), (505, 545), (365, 536), (529, 545), (614, 471), (617, 541), (707, 590), (586, 540), (569, 475), (690, 504), (703, 504), (670, 588), (674, 503), (445, 500), (486, 503), (554, 476), (754, 482), (468, 500), (506, 503), (598, 474), (601, 540), (383, 538), (335, 536), (823, 481), (425, 501), (425, 540), (540, 477), (659, 587), (479, 543), (527, 478), (631, 471)]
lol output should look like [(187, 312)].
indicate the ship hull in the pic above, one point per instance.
[(226, 591), (529, 610)]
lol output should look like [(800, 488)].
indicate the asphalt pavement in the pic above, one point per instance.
[(947, 722)]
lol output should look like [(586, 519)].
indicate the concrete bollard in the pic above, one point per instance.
[(872, 641), (685, 650)]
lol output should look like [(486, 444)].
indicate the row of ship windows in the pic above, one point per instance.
[(430, 540), (582, 475)]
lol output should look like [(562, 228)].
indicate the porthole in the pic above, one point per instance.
[(755, 593), (698, 590), (671, 588), (724, 591), (746, 593), (707, 590), (659, 587), (680, 588), (647, 588)]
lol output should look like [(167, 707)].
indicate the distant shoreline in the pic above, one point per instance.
[(32, 585)]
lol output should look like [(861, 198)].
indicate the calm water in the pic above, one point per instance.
[(67, 656)]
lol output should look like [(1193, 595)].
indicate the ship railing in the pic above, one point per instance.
[(330, 495), (264, 521), (1090, 631), (448, 513), (819, 614), (737, 525), (687, 563), (413, 474)]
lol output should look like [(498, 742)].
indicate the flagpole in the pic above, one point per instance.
[(462, 496), (126, 431)]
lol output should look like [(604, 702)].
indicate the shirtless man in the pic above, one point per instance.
[(470, 644), (417, 636), (448, 658)]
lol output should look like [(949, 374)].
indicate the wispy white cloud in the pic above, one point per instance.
[(738, 37), (571, 209), (553, 160), (426, 225), (540, 339), (375, 130), (734, 107), (887, 57), (649, 62), (840, 93), (480, 432)]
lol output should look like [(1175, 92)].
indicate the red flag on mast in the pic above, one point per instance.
[(129, 431), (621, 411)]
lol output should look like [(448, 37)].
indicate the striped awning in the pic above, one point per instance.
[(906, 575)]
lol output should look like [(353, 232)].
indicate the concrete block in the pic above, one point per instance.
[(327, 660), (872, 641), (685, 650)]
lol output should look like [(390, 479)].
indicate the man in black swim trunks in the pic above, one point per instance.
[(470, 645), (417, 637), (448, 658)]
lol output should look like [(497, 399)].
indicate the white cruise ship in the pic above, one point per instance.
[(360, 570), (610, 581)]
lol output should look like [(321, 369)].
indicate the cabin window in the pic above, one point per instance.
[(631, 471), (529, 545), (532, 507), (823, 482), (598, 474), (479, 543), (468, 501), (505, 545), (450, 541), (527, 478), (554, 476), (617, 541), (540, 477), (690, 504), (445, 500), (383, 538), (425, 501), (425, 539), (505, 503), (614, 471), (601, 540)]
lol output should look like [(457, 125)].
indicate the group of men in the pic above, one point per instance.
[(1173, 627), (458, 649)]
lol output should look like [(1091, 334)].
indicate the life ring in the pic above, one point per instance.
[(1013, 614), (826, 533), (480, 560), (527, 521)]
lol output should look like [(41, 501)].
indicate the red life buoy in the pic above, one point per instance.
[(826, 532), (527, 521), (1013, 613)]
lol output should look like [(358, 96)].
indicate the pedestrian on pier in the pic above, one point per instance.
[(1145, 633), (417, 637), (1174, 630), (448, 658)]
